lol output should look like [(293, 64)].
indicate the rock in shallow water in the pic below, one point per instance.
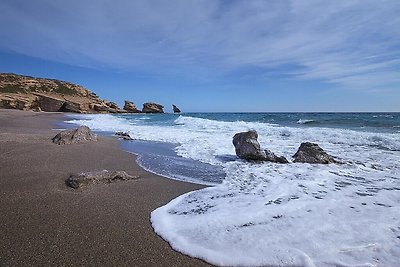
[(124, 135), (270, 156), (248, 148), (312, 153), (80, 135), (87, 178)]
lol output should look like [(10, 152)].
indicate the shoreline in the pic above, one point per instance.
[(43, 222)]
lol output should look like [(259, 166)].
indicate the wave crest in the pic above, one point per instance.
[(301, 121)]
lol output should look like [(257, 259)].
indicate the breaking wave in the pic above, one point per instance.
[(272, 214)]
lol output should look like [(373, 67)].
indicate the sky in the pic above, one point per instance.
[(210, 55)]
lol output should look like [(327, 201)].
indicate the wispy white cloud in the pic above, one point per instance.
[(354, 43)]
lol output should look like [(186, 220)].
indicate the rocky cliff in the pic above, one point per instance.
[(39, 94)]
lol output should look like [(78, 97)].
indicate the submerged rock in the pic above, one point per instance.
[(312, 153), (152, 108), (176, 109), (87, 178), (80, 135), (124, 135)]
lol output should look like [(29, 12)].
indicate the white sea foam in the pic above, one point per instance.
[(305, 121), (280, 215)]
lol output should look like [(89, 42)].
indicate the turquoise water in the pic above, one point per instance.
[(375, 122), (270, 214)]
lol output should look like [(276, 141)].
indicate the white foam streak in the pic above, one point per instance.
[(304, 121), (281, 215)]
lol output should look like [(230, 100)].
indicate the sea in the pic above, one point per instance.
[(268, 214)]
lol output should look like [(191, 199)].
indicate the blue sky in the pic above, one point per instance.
[(209, 55)]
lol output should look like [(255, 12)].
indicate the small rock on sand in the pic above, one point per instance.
[(96, 177)]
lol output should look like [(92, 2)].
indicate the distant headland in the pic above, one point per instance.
[(50, 95)]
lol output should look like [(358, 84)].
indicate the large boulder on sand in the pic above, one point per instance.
[(130, 107), (152, 108), (70, 106), (248, 148), (87, 178), (80, 135), (50, 104), (312, 153)]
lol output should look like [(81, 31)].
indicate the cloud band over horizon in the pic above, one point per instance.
[(352, 44)]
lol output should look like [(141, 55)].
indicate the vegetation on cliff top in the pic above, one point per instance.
[(13, 83)]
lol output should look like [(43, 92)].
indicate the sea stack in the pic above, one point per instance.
[(152, 108), (130, 107), (176, 109)]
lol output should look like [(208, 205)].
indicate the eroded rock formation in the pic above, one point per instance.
[(22, 102), (70, 106), (152, 108), (50, 103), (38, 94), (176, 109), (112, 105), (130, 107)]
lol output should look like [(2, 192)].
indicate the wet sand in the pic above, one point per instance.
[(45, 223)]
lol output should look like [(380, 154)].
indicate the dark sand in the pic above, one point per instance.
[(44, 223)]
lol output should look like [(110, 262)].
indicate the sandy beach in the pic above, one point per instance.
[(45, 223)]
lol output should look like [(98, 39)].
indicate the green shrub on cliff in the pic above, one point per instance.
[(62, 89), (9, 88)]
